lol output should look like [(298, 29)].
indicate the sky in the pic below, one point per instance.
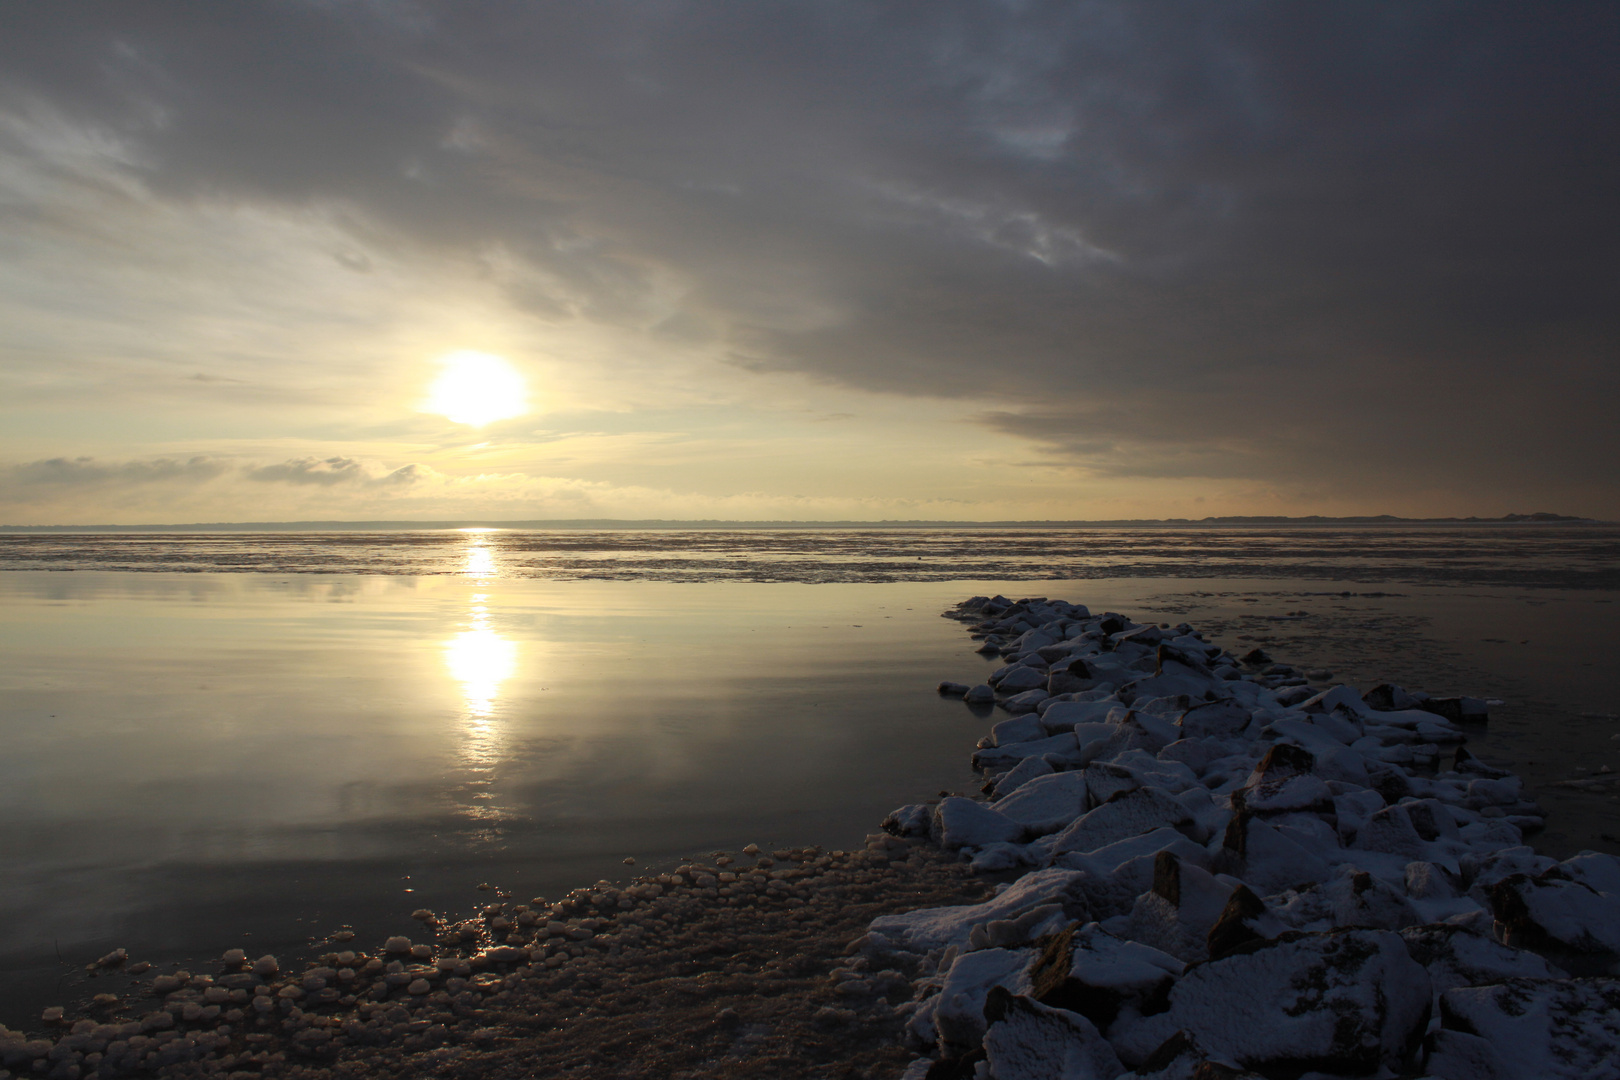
[(757, 260)]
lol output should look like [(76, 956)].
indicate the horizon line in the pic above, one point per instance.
[(390, 525)]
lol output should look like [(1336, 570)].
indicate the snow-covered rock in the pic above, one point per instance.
[(961, 822), (1530, 1028), (959, 1013), (1046, 804), (1343, 1002), (1030, 1041), (1127, 814), (935, 928)]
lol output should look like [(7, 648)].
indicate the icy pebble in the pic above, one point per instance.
[(52, 1015), (397, 944), (751, 850), (266, 966), (234, 956)]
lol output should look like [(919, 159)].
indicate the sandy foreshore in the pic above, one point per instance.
[(723, 968)]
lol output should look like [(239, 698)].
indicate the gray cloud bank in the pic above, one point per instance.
[(1354, 248), (49, 479)]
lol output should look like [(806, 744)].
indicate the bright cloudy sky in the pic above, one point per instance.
[(811, 260)]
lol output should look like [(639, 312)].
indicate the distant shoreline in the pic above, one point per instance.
[(663, 524)]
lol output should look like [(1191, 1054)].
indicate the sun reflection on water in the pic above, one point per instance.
[(480, 660)]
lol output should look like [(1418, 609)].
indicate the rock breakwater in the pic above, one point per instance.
[(1221, 869)]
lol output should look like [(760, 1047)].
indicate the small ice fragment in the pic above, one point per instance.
[(265, 965), (234, 956), (751, 850), (52, 1015), (397, 944), (629, 860)]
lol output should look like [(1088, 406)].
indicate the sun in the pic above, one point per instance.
[(477, 388)]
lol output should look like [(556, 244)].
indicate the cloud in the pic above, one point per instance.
[(327, 472), (1367, 246), (56, 474)]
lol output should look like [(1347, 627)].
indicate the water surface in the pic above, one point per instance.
[(197, 758)]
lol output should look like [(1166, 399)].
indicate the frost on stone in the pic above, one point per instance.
[(1046, 804), (1128, 814), (959, 1013), (1456, 957), (935, 928), (1348, 1001), (1030, 1041), (1551, 1030), (960, 822)]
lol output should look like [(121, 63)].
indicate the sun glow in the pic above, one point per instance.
[(476, 389)]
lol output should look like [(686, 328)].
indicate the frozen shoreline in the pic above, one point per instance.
[(1230, 869), (1115, 815)]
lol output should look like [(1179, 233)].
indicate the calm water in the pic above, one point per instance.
[(219, 740)]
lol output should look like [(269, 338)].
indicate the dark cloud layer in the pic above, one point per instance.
[(1366, 247)]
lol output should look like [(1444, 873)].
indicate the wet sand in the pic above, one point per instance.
[(710, 977)]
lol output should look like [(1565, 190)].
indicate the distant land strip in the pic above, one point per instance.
[(712, 523)]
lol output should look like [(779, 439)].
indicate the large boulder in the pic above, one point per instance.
[(1455, 957), (936, 928), (961, 822), (1127, 814), (1529, 1028), (1091, 972), (959, 1010), (1046, 804), (1030, 1041), (1552, 911), (1345, 1002)]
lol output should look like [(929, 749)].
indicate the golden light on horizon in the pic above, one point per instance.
[(477, 388)]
